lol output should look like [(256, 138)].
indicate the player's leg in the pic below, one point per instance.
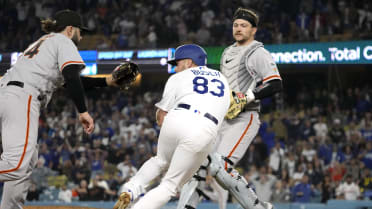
[(222, 193), (195, 136), (15, 192), (19, 126), (237, 135), (183, 165), (235, 184), (235, 139), (191, 192), (152, 168)]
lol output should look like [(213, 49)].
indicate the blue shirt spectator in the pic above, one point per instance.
[(302, 191), (325, 152)]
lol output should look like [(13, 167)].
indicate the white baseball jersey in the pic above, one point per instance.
[(204, 89), (187, 134), (27, 86)]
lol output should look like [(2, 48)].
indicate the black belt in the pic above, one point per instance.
[(16, 83), (21, 85), (207, 115)]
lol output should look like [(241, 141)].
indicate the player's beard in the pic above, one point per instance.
[(75, 39), (244, 39)]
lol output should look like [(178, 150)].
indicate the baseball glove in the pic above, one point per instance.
[(237, 102), (123, 201), (125, 74)]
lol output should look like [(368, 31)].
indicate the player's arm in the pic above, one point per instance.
[(160, 114), (74, 86), (167, 101), (122, 76), (268, 89), (90, 83)]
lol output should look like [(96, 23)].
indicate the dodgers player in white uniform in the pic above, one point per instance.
[(194, 103), (45, 65), (250, 69)]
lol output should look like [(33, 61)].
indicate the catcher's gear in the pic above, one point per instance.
[(123, 201), (125, 74), (237, 102), (235, 184)]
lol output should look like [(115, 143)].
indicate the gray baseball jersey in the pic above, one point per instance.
[(27, 86), (41, 64), (245, 67)]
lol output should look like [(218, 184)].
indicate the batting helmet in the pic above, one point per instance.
[(190, 51)]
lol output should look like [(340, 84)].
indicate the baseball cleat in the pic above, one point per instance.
[(268, 205), (123, 201)]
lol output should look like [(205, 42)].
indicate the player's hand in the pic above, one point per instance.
[(87, 122), (160, 114), (249, 96), (238, 101)]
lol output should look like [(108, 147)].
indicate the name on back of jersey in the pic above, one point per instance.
[(207, 73)]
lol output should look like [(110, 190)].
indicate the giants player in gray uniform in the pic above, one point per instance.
[(251, 70), (48, 63), (195, 101)]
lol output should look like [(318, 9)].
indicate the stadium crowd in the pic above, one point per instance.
[(316, 149), (127, 24)]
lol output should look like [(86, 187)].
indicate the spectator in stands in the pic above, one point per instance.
[(327, 189), (95, 191), (307, 130), (40, 175), (366, 132), (366, 155), (348, 190), (302, 191), (65, 195), (126, 169), (290, 163), (337, 171), (298, 174), (276, 158), (82, 190), (337, 132), (325, 152), (281, 192), (321, 128), (308, 152), (33, 193), (263, 183), (99, 184)]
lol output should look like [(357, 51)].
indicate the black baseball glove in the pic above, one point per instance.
[(125, 74)]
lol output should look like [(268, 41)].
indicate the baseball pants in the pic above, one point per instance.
[(184, 142), (19, 114)]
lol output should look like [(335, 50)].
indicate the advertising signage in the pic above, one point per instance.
[(355, 52), (352, 52)]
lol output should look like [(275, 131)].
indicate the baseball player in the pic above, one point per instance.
[(194, 103), (252, 75), (49, 63)]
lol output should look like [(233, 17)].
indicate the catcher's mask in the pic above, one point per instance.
[(190, 51)]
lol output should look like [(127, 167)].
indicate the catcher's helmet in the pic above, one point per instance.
[(190, 51)]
